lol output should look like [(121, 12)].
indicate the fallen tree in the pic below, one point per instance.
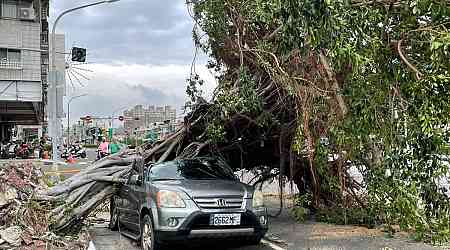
[(309, 90), (26, 220)]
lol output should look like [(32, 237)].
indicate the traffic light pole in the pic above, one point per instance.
[(68, 115), (54, 116)]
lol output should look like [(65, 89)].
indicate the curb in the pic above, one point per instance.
[(272, 244)]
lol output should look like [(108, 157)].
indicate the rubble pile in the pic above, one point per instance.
[(24, 220)]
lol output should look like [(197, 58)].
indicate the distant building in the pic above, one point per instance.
[(24, 64), (140, 117)]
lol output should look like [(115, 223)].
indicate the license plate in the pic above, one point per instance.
[(225, 219)]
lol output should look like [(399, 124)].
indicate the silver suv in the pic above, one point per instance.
[(188, 200)]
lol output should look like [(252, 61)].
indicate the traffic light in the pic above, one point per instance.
[(87, 118), (121, 118), (78, 54)]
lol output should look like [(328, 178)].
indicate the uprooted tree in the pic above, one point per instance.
[(313, 89)]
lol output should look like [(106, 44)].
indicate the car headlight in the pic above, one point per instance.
[(258, 199), (169, 199)]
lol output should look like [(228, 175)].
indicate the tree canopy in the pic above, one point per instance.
[(316, 88)]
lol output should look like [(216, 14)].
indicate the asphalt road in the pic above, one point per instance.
[(68, 169), (105, 239)]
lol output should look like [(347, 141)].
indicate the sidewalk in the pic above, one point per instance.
[(320, 236)]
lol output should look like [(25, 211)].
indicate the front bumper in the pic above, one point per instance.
[(196, 226)]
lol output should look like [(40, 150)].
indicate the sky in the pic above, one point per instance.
[(139, 52)]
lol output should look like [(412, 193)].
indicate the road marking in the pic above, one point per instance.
[(72, 171), (272, 245)]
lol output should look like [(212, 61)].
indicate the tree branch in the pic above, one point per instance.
[(335, 84), (418, 74)]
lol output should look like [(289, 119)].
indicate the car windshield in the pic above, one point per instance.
[(193, 169)]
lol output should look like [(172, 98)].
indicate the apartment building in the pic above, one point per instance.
[(140, 117), (24, 64)]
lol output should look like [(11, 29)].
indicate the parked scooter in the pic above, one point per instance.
[(12, 150), (23, 151), (76, 151), (65, 153), (79, 151), (4, 150)]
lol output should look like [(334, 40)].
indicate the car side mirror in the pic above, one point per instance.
[(136, 180)]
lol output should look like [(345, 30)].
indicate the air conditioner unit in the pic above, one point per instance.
[(26, 14)]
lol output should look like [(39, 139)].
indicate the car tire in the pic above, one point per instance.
[(114, 220), (148, 241)]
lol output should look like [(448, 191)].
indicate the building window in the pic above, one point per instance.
[(9, 8), (3, 54), (11, 55), (14, 55), (12, 8), (10, 58)]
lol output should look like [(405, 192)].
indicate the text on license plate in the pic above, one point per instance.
[(225, 219)]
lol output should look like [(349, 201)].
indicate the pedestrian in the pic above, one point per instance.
[(103, 149)]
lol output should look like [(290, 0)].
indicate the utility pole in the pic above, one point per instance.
[(54, 114), (68, 115)]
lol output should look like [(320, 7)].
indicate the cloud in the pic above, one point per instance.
[(115, 86), (140, 52), (130, 31)]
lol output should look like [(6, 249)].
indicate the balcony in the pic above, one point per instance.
[(5, 64)]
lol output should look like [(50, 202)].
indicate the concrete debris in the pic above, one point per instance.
[(7, 196), (12, 235), (25, 220)]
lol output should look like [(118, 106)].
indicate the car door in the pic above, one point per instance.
[(134, 205), (123, 203), (134, 196)]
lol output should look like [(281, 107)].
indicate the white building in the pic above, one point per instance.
[(24, 63)]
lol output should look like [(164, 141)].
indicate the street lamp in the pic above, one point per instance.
[(68, 115), (54, 119)]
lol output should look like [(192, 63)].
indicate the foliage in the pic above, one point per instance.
[(345, 216), (370, 77), (132, 142), (301, 210), (300, 214)]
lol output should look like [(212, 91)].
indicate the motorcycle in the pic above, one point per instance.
[(12, 150), (74, 150), (65, 153), (23, 151), (101, 154), (79, 151), (4, 151)]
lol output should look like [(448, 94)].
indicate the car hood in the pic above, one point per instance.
[(208, 188)]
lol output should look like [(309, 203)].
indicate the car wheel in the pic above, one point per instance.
[(114, 221), (148, 241)]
